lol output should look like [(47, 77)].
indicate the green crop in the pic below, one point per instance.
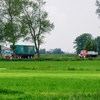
[(52, 65), (50, 80)]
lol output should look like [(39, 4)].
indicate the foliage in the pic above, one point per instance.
[(97, 39), (54, 57), (90, 45), (98, 7), (51, 51), (55, 51), (80, 41), (42, 51), (1, 31)]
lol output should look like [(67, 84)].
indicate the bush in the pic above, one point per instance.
[(53, 58)]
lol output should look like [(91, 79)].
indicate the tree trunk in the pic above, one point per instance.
[(14, 53), (37, 51), (38, 54), (36, 46), (0, 52)]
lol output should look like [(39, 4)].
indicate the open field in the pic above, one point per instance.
[(50, 80)]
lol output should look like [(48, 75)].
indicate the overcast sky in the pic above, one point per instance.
[(71, 19)]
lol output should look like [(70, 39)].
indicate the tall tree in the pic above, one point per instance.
[(37, 24), (10, 11), (97, 39), (80, 41)]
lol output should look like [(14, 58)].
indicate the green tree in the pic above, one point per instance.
[(80, 41), (57, 51), (36, 20), (97, 39), (2, 35), (87, 45), (90, 45), (0, 51), (10, 12), (42, 51)]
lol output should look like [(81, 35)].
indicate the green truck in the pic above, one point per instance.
[(24, 51)]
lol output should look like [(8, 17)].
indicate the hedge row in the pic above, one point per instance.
[(51, 59)]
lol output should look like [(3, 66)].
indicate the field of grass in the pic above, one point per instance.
[(52, 65), (50, 80)]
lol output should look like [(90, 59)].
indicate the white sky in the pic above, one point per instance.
[(71, 19)]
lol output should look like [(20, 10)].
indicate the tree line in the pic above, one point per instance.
[(52, 51), (24, 19), (87, 42)]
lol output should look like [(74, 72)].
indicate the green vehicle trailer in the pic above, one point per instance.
[(24, 51)]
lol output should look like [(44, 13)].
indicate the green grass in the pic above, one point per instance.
[(28, 83), (52, 65), (50, 80)]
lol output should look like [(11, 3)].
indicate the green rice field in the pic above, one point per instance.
[(50, 80)]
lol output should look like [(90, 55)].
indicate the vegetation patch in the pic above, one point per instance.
[(55, 57), (70, 68), (8, 91)]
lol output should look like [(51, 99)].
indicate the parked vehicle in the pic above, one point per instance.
[(85, 53), (24, 51), (21, 51), (5, 52)]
